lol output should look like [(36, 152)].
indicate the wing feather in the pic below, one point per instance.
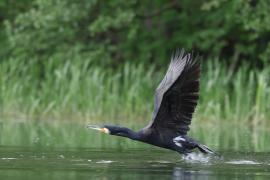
[(177, 95)]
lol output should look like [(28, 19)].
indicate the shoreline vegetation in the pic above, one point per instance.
[(233, 110), (81, 92), (66, 63)]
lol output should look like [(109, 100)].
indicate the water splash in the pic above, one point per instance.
[(196, 158)]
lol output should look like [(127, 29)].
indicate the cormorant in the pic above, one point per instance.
[(176, 98)]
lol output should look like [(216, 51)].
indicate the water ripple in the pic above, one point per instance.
[(105, 162), (8, 158), (243, 162)]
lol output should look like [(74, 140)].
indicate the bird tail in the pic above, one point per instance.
[(206, 150)]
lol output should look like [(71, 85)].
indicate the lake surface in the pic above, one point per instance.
[(62, 163)]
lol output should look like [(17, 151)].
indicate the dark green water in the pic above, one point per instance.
[(33, 163)]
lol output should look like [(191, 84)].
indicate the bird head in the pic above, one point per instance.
[(112, 130)]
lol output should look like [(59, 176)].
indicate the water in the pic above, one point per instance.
[(34, 163)]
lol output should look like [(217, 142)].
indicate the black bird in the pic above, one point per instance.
[(176, 98)]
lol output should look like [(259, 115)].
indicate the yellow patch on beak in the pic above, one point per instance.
[(105, 130)]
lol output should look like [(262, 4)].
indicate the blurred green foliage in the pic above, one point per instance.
[(100, 61), (59, 54), (110, 32)]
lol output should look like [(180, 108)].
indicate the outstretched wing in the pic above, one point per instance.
[(177, 95)]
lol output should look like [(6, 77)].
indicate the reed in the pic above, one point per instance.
[(77, 92)]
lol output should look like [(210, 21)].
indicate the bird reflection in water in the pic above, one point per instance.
[(183, 174)]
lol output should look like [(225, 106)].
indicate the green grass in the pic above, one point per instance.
[(240, 99), (78, 93)]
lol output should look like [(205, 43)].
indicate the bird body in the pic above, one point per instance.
[(176, 98)]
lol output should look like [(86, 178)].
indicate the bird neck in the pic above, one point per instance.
[(128, 133)]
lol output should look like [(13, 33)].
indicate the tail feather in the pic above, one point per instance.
[(206, 150)]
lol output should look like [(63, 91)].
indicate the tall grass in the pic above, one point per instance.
[(241, 98), (78, 92)]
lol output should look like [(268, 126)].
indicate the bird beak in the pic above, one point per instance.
[(101, 129)]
